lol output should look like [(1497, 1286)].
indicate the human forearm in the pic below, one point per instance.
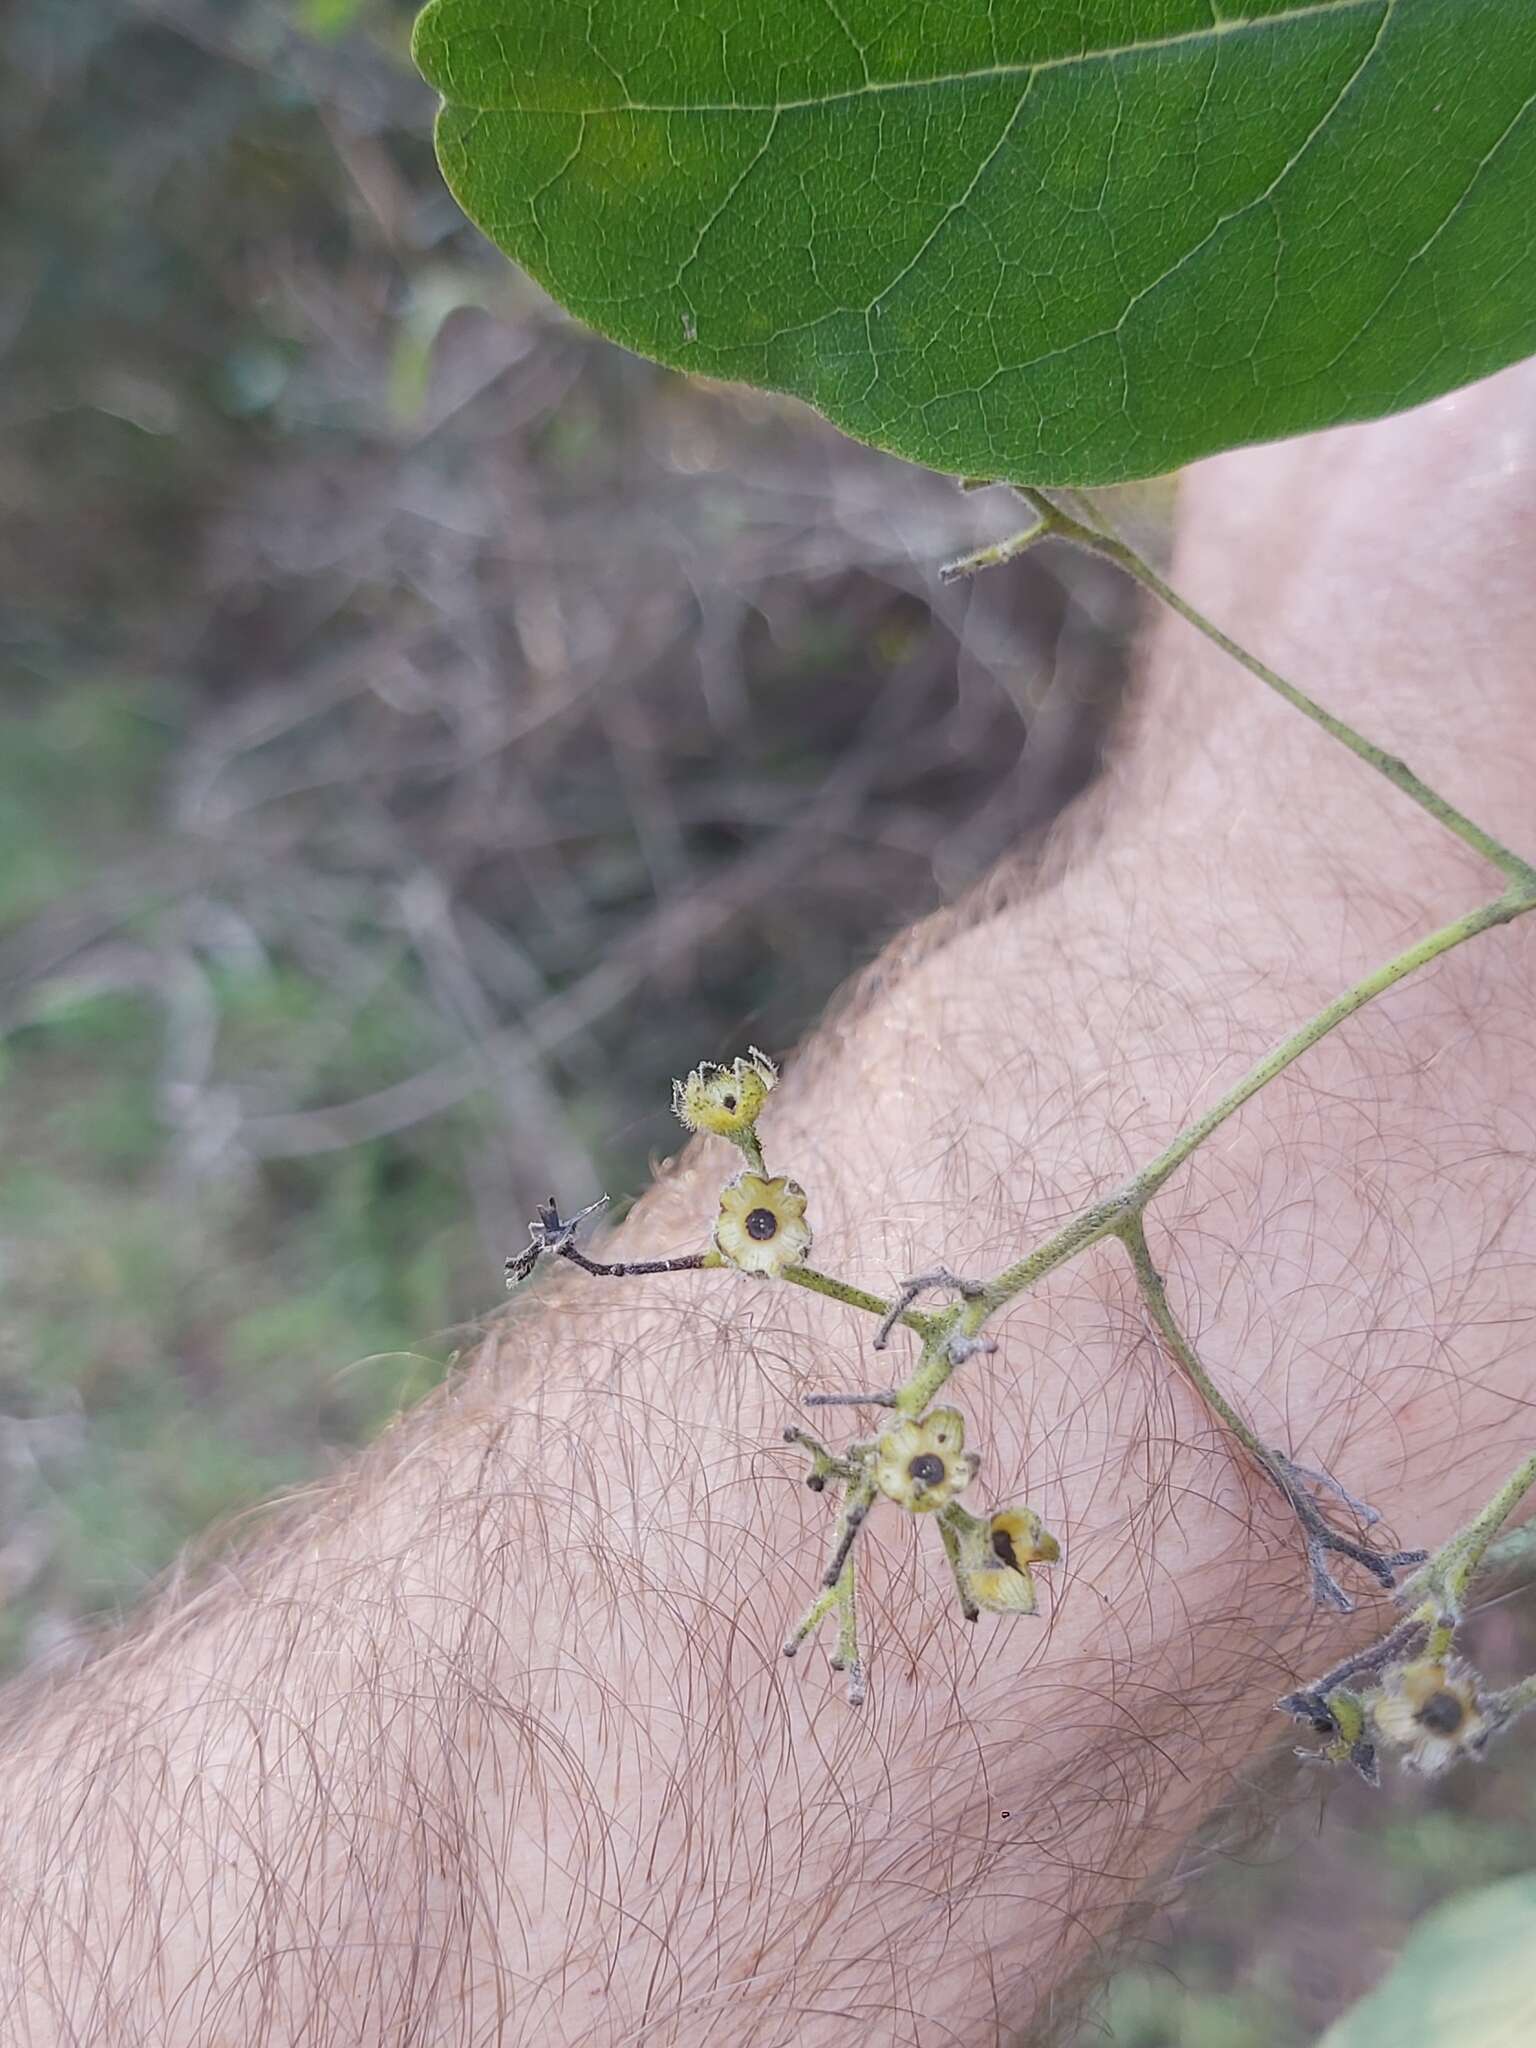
[(505, 1726)]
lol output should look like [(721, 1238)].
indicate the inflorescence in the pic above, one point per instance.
[(1409, 1696), (919, 1463)]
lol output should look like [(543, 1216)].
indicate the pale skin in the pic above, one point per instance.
[(496, 1744)]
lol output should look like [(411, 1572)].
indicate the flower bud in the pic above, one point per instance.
[(995, 1555), (725, 1100)]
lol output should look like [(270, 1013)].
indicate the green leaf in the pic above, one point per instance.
[(1056, 241), (1466, 1979)]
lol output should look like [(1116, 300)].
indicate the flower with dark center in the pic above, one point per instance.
[(1429, 1711), (761, 1228), (923, 1465)]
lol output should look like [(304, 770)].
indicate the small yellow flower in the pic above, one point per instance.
[(761, 1227), (725, 1100), (923, 1465), (1431, 1714), (995, 1561)]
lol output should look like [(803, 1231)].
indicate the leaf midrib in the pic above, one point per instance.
[(1219, 31)]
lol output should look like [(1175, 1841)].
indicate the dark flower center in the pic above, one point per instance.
[(927, 1470), (1442, 1713), (762, 1224), (1002, 1546), (729, 1101)]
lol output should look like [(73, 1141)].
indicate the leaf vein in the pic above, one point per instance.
[(1285, 170), (1430, 240), (1219, 31)]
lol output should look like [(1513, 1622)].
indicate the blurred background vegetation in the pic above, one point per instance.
[(424, 728)]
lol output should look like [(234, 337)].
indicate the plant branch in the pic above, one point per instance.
[(846, 1656), (1288, 1478), (998, 553), (856, 1297), (627, 1269), (1150, 1281), (1439, 1602), (1502, 910), (1506, 1706), (1441, 1588), (1105, 1217), (1511, 1559), (1112, 548)]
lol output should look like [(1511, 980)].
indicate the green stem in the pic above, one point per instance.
[(1471, 1547), (1439, 1593), (825, 1464), (846, 1656), (1442, 1585), (951, 1543), (1086, 1228), (933, 1368), (1286, 1477), (1502, 910), (811, 1620), (1000, 551), (1105, 1217), (1134, 1238), (853, 1297), (856, 1506), (1512, 1557), (1391, 766), (1513, 1701)]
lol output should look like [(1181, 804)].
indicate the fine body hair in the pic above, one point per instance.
[(491, 1740)]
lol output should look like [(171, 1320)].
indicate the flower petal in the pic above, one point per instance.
[(762, 1228), (1001, 1589)]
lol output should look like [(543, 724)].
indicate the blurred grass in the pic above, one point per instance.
[(174, 1348), (424, 728)]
